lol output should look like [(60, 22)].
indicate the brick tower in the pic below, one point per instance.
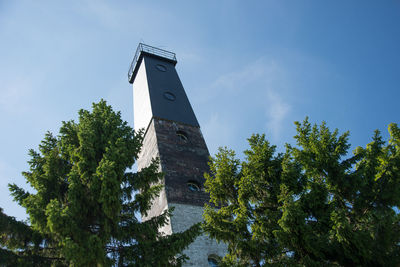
[(173, 134)]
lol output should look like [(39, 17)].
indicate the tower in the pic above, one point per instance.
[(173, 134)]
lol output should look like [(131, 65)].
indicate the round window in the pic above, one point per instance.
[(213, 262), (182, 135), (169, 96), (161, 67), (193, 186)]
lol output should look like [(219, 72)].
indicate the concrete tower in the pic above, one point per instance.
[(173, 134)]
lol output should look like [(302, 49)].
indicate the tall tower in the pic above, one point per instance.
[(173, 134)]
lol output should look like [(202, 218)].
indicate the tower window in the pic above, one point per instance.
[(169, 96), (193, 186), (182, 135), (213, 261), (161, 67)]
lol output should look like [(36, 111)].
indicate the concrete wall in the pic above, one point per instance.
[(203, 247), (150, 151)]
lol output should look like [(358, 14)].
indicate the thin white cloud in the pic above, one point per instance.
[(259, 86), (109, 15), (217, 132), (239, 80), (276, 112)]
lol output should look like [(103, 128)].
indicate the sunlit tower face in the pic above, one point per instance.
[(172, 133)]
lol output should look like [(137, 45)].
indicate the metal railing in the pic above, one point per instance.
[(151, 50)]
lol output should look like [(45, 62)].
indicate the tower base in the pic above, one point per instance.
[(203, 247)]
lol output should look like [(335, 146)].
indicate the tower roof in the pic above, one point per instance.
[(152, 51), (157, 89)]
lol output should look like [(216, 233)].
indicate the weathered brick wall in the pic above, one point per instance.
[(182, 161)]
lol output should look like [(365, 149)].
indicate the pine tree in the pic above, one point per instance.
[(87, 201), (22, 246), (310, 206)]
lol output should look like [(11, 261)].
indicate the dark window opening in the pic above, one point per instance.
[(182, 135), (212, 261), (193, 186), (169, 96), (161, 67)]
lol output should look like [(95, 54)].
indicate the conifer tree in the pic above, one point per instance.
[(86, 202), (22, 246), (312, 205)]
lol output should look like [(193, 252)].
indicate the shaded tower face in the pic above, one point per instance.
[(172, 133)]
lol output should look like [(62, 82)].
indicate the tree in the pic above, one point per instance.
[(309, 206), (20, 245), (83, 203)]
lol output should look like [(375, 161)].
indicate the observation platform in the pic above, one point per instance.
[(152, 51)]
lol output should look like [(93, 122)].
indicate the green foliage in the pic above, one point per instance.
[(308, 206), (83, 201), (20, 245)]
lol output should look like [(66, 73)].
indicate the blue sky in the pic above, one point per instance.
[(247, 67)]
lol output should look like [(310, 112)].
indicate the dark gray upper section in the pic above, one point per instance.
[(167, 96)]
